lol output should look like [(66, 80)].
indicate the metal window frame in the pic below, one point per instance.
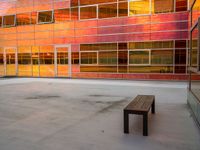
[(8, 26), (52, 17)]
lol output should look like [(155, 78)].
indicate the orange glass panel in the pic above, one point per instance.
[(47, 70), (89, 12), (23, 19), (10, 62), (62, 15)]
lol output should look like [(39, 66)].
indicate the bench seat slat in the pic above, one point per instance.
[(141, 103)]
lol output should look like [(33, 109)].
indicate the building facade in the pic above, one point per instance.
[(123, 39), (194, 68)]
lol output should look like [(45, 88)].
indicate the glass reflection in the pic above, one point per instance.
[(45, 17)]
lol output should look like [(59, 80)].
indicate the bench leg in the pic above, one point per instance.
[(126, 122), (153, 107), (145, 124)]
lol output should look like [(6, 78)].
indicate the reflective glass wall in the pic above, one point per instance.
[(126, 37), (194, 67)]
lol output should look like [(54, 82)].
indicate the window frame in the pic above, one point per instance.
[(139, 50), (150, 9), (52, 17), (8, 26), (97, 11), (80, 60)]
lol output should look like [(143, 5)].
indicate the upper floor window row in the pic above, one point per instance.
[(100, 11)]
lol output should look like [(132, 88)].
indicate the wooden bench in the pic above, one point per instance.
[(140, 106)]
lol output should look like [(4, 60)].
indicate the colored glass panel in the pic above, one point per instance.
[(75, 58), (88, 58), (91, 2), (181, 5), (89, 12), (9, 21), (162, 57), (74, 13), (23, 19), (139, 57), (194, 48), (45, 17), (162, 6), (123, 9), (107, 58), (107, 10), (122, 57), (139, 7), (62, 15)]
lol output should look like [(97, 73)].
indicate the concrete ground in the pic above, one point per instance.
[(75, 114)]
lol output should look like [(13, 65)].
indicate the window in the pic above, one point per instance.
[(162, 6), (194, 51), (23, 19), (151, 45), (62, 58), (181, 5), (46, 58), (161, 57), (88, 57), (88, 12), (108, 10), (139, 57), (1, 59), (123, 9), (75, 58), (45, 17), (9, 21), (24, 58), (91, 2), (139, 7), (62, 15), (74, 3), (108, 58), (74, 13), (122, 57), (33, 17)]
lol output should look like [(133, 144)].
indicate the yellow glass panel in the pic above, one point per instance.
[(24, 70), (1, 70), (139, 7), (35, 69), (47, 70)]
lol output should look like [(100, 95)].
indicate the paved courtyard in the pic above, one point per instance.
[(76, 114)]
